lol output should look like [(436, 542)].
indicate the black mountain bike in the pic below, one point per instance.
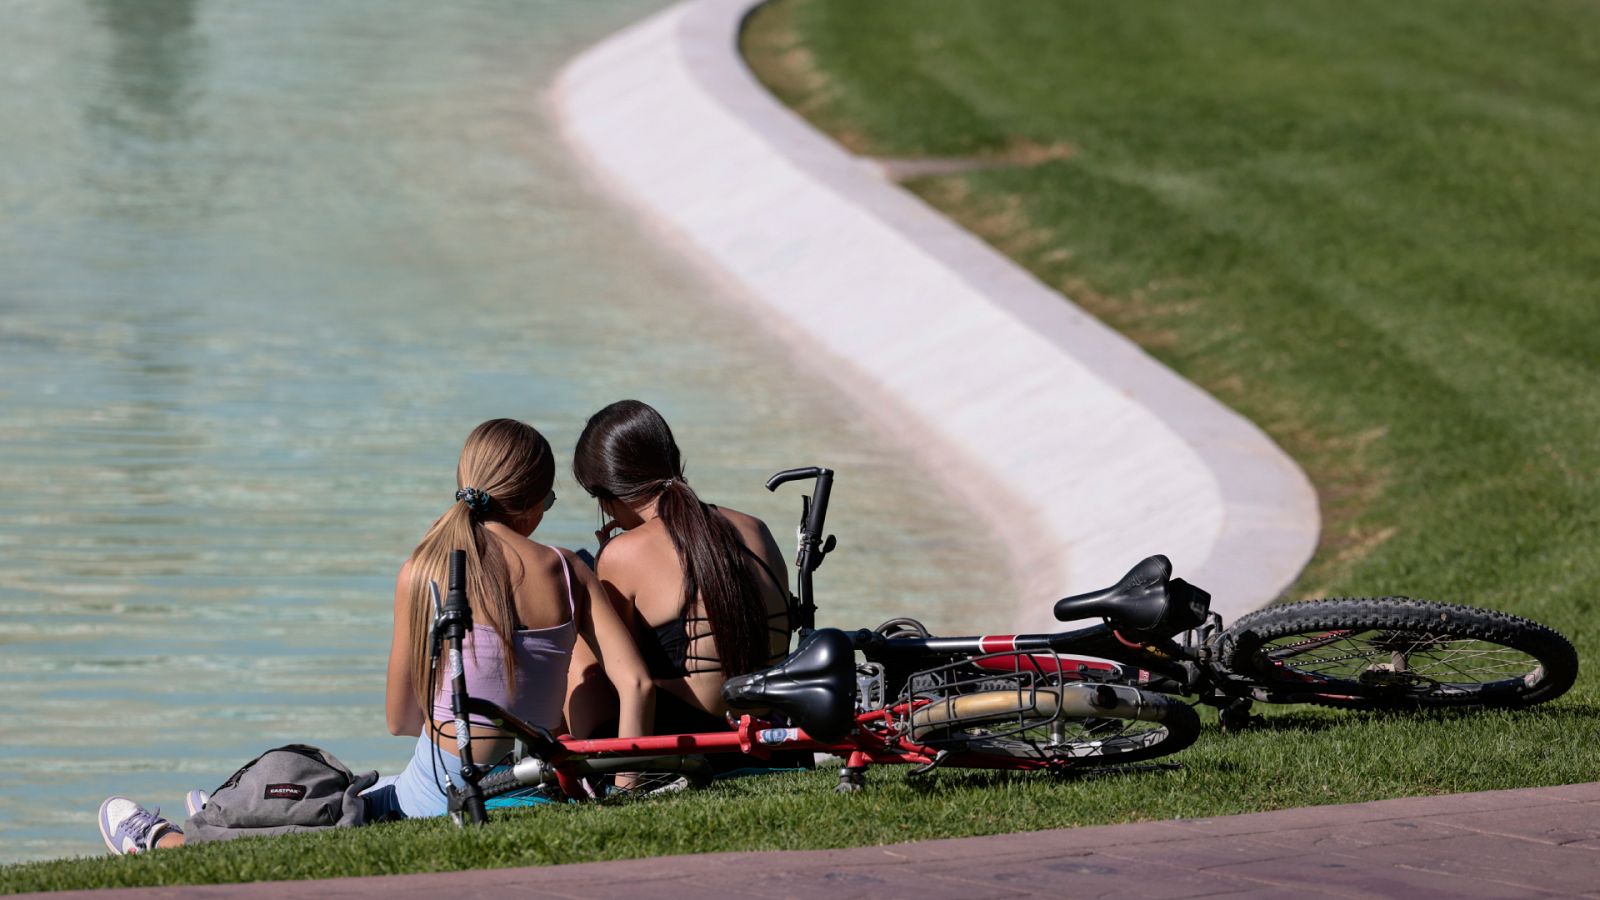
[(1157, 632)]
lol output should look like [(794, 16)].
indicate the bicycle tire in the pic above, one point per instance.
[(1074, 724), (653, 775), (1364, 653), (902, 626)]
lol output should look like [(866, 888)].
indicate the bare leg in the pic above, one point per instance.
[(591, 700)]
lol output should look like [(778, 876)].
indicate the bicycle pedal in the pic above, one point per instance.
[(924, 769)]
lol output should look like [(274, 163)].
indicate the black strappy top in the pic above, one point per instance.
[(668, 656)]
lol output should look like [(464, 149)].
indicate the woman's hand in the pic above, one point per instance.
[(604, 535)]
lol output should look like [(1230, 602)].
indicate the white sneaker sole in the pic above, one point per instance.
[(100, 818)]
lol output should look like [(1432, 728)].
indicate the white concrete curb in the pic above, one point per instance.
[(1082, 451)]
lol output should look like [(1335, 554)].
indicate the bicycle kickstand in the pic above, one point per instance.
[(853, 775), (852, 780)]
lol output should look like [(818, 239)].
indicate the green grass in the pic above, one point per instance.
[(1370, 227), (1300, 758)]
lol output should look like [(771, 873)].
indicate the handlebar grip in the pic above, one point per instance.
[(817, 514), (788, 475), (458, 571), (455, 602)]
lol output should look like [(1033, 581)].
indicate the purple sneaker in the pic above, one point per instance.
[(128, 827), (194, 801)]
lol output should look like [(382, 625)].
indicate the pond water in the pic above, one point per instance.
[(262, 266)]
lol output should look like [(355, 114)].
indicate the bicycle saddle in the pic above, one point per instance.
[(1137, 603), (815, 686)]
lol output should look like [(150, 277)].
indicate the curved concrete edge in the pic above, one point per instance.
[(1079, 449)]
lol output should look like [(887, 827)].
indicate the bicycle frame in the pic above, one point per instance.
[(1096, 652), (563, 761)]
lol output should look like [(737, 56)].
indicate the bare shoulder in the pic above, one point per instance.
[(624, 550), (585, 583), (636, 558), (538, 560), (749, 527), (756, 535)]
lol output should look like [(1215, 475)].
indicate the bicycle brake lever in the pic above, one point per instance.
[(433, 633)]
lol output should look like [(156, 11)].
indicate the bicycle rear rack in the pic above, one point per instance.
[(963, 706)]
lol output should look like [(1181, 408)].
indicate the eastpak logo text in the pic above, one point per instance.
[(285, 792)]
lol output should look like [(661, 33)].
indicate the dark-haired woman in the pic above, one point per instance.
[(702, 585)]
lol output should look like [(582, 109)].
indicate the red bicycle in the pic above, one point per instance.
[(1033, 720), (1031, 712)]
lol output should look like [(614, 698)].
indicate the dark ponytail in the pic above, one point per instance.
[(712, 556), (627, 453)]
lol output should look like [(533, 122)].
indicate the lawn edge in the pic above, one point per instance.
[(1028, 407)]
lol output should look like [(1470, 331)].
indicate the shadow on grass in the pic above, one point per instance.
[(942, 781), (1310, 721)]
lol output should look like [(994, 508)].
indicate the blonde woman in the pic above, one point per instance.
[(530, 605)]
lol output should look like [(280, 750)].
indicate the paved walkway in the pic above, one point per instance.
[(1535, 842)]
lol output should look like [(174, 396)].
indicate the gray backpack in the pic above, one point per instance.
[(292, 788)]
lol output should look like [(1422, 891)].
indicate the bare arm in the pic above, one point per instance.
[(400, 697), (612, 644)]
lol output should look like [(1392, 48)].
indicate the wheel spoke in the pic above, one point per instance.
[(1396, 652), (1421, 656)]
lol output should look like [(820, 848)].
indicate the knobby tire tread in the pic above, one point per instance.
[(1239, 643)]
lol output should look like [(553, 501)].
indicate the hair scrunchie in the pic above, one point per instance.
[(667, 484), (476, 500)]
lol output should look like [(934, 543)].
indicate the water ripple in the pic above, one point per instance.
[(261, 268)]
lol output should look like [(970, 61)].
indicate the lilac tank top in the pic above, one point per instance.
[(542, 655)]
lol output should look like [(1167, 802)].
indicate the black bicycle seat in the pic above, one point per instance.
[(815, 686), (1138, 602)]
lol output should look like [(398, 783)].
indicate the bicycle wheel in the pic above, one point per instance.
[(1397, 653), (651, 776), (1072, 724)]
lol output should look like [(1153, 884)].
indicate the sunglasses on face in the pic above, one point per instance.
[(550, 501)]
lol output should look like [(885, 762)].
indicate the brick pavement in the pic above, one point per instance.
[(1534, 842)]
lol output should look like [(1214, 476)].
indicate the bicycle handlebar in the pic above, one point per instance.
[(788, 475), (454, 620), (813, 547), (458, 575)]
